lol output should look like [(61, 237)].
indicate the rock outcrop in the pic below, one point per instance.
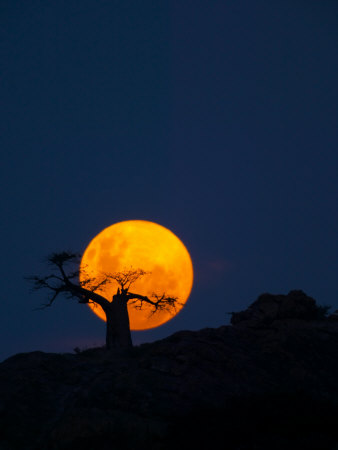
[(268, 381), (268, 307)]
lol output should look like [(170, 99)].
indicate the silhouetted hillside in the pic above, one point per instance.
[(269, 381)]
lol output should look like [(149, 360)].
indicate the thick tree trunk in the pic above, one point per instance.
[(118, 334)]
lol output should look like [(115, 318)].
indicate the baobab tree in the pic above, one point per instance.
[(64, 279)]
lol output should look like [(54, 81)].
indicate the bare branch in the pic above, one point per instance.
[(158, 302), (126, 278), (46, 305), (62, 258), (62, 283)]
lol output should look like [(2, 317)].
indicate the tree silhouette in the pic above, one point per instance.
[(64, 279)]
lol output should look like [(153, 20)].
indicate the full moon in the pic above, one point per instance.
[(139, 244)]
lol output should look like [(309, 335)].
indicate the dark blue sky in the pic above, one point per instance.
[(216, 119)]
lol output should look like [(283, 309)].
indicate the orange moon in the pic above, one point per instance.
[(139, 244)]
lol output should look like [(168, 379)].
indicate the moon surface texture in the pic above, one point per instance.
[(139, 244)]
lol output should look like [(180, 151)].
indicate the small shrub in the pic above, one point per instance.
[(322, 311)]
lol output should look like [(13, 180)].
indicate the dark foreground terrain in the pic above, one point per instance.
[(268, 381)]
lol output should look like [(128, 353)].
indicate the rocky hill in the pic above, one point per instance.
[(268, 381)]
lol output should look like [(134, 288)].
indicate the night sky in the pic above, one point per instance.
[(215, 119)]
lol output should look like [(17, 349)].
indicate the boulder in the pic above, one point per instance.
[(268, 307)]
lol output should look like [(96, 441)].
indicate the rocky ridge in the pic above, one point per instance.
[(267, 381)]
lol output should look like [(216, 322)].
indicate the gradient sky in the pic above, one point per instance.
[(216, 119)]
